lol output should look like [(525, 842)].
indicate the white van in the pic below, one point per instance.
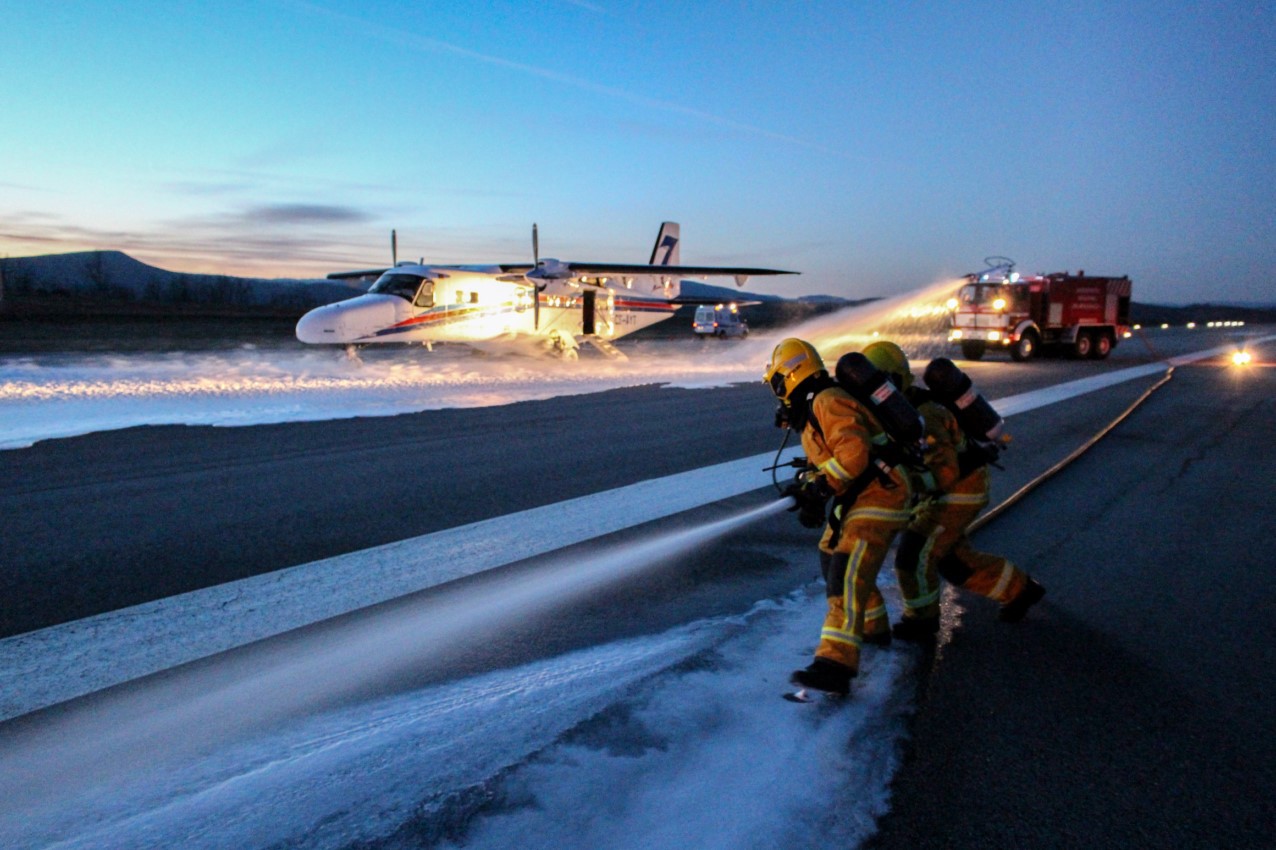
[(722, 320)]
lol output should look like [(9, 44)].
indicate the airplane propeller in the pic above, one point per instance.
[(536, 290), (546, 270)]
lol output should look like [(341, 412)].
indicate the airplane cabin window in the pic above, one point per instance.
[(473, 297)]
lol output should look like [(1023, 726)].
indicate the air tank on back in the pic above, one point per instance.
[(865, 382), (953, 388)]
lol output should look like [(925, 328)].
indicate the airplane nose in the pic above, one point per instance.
[(349, 321), (320, 325)]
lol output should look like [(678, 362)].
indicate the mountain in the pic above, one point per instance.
[(111, 283)]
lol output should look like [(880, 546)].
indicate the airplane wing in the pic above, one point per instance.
[(685, 300), (668, 271), (371, 274)]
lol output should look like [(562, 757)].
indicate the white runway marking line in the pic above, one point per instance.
[(51, 665)]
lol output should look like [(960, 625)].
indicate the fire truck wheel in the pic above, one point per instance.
[(1083, 346), (1102, 347), (1025, 348), (972, 350)]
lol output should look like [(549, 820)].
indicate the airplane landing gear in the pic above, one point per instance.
[(563, 345)]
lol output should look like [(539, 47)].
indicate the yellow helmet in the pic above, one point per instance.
[(892, 360), (792, 362)]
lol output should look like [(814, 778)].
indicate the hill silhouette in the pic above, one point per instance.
[(111, 283)]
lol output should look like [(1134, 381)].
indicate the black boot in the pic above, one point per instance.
[(916, 629), (1015, 610), (824, 675), (878, 638)]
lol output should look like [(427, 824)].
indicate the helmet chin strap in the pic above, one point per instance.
[(802, 396)]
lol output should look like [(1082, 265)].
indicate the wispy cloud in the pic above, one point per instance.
[(271, 240), (410, 40), (22, 187), (199, 188), (590, 7), (290, 214)]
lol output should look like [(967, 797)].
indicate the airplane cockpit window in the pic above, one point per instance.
[(425, 295), (403, 285)]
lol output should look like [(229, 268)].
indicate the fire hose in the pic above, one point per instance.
[(1036, 482)]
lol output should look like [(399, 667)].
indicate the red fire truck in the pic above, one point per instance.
[(1083, 316)]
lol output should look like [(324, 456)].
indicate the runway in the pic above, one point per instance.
[(479, 469), (1136, 709)]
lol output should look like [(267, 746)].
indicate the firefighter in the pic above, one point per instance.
[(871, 500), (936, 544)]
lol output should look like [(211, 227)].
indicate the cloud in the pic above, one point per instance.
[(201, 189), (288, 214), (269, 240), (22, 187), (589, 7)]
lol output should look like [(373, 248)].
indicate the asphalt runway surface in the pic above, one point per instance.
[(1133, 708), (112, 519)]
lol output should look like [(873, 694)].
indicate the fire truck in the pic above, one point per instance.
[(1077, 314)]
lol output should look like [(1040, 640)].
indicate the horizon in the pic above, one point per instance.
[(874, 150), (851, 300)]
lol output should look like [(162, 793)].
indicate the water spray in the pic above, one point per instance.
[(83, 756)]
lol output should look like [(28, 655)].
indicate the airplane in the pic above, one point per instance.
[(561, 303)]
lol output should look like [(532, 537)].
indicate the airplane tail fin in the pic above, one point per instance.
[(666, 251)]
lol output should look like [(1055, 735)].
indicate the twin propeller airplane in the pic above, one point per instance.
[(561, 303)]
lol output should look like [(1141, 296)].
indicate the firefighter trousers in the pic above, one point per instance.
[(935, 545), (855, 607)]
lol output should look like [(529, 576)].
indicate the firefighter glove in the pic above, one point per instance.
[(810, 495), (975, 456)]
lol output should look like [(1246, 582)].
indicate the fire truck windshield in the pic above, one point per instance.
[(987, 295)]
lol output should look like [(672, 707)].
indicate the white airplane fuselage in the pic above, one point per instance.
[(548, 299), (455, 304)]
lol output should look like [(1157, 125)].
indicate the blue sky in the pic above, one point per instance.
[(875, 147)]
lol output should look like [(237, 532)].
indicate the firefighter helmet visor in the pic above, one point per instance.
[(792, 362)]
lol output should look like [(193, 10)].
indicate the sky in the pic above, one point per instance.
[(873, 147)]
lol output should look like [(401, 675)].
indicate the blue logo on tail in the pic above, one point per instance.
[(667, 244)]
